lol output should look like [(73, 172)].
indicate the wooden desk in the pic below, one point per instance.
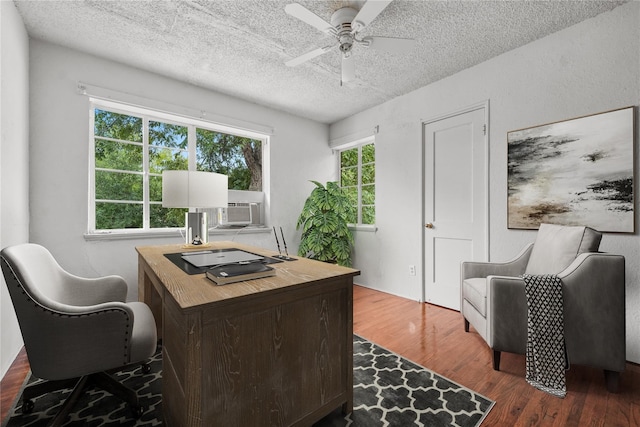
[(275, 351)]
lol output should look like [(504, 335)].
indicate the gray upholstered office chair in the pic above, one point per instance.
[(593, 287), (74, 329)]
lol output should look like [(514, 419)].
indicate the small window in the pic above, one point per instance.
[(358, 180), (131, 148)]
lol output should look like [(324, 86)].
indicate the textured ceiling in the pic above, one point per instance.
[(239, 47)]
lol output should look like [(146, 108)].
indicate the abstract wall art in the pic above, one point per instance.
[(573, 172)]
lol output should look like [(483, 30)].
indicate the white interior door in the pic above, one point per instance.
[(455, 202)]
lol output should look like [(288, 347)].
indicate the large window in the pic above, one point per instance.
[(131, 148), (358, 180)]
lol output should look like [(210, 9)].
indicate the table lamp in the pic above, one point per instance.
[(192, 189)]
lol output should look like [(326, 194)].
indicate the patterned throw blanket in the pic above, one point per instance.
[(546, 359)]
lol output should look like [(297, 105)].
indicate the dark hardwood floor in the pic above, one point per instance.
[(12, 382), (434, 337)]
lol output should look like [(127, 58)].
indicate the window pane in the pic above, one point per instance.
[(118, 155), (237, 157), (352, 218), (368, 153), (349, 176), (167, 159), (368, 214), (166, 217), (369, 173), (118, 215), (168, 135), (349, 158), (117, 126), (118, 186), (352, 195), (358, 174), (155, 188), (368, 194)]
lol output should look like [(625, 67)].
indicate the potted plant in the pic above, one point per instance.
[(324, 219)]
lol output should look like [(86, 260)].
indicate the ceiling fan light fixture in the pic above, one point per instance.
[(345, 25), (341, 21), (346, 43)]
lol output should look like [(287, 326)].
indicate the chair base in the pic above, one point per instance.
[(496, 360), (100, 379), (612, 380)]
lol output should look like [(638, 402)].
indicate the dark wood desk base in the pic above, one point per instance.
[(278, 357)]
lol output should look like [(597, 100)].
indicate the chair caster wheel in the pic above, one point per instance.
[(27, 406), (146, 368)]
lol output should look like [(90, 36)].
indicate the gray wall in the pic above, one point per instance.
[(591, 67), (14, 160)]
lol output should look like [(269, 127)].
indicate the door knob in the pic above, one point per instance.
[(428, 225)]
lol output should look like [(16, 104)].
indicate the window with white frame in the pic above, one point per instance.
[(131, 147), (358, 180)]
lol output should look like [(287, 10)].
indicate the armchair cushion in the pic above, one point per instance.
[(557, 246)]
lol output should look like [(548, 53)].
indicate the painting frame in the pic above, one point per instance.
[(578, 171)]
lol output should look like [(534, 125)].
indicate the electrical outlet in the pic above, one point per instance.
[(412, 270)]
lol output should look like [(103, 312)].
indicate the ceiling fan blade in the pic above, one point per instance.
[(369, 12), (390, 44), (307, 56), (348, 68), (305, 15)]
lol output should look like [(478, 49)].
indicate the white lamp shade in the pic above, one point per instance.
[(191, 189)]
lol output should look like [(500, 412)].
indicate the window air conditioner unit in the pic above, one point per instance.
[(240, 213)]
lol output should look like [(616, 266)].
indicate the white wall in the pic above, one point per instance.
[(59, 156), (591, 67), (14, 160)]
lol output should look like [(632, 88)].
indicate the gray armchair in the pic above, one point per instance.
[(74, 328), (593, 287)]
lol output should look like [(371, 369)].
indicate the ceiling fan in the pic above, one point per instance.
[(346, 24)]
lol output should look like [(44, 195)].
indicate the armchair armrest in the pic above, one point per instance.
[(506, 314), (87, 291), (513, 267), (594, 310)]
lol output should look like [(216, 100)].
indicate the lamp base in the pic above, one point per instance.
[(197, 228)]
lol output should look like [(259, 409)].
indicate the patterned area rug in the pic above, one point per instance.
[(388, 391), (97, 407)]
